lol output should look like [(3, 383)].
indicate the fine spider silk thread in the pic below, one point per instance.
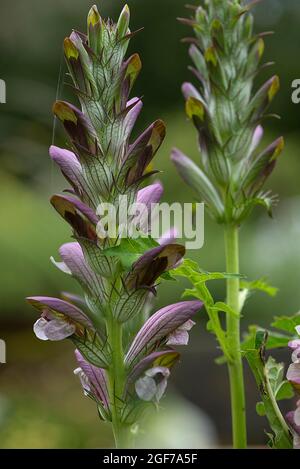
[(59, 89)]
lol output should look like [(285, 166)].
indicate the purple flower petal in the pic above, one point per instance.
[(257, 137), (96, 379), (63, 202), (72, 255), (73, 298), (294, 344), (142, 151), (69, 165), (166, 358), (79, 215), (189, 91), (135, 106), (168, 237), (160, 326), (79, 128), (153, 263), (42, 303), (150, 194), (146, 198)]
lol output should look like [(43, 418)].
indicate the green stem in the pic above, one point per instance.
[(117, 376), (235, 366), (282, 438)]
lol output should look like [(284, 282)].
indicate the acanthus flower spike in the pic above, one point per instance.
[(226, 112), (232, 169), (102, 163)]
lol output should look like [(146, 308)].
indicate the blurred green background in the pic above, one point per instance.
[(41, 403)]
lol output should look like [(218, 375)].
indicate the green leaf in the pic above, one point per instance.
[(275, 373), (129, 250), (284, 391), (190, 270), (268, 376), (220, 306), (260, 285), (287, 323), (168, 276), (274, 339)]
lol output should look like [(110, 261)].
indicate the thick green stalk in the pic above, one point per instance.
[(235, 366), (123, 436)]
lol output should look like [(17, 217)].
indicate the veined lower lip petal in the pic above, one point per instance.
[(55, 329)]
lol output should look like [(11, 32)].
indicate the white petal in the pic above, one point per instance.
[(57, 329), (161, 388), (39, 328), (146, 388), (178, 337), (162, 370), (298, 329), (187, 326), (61, 266), (83, 379)]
